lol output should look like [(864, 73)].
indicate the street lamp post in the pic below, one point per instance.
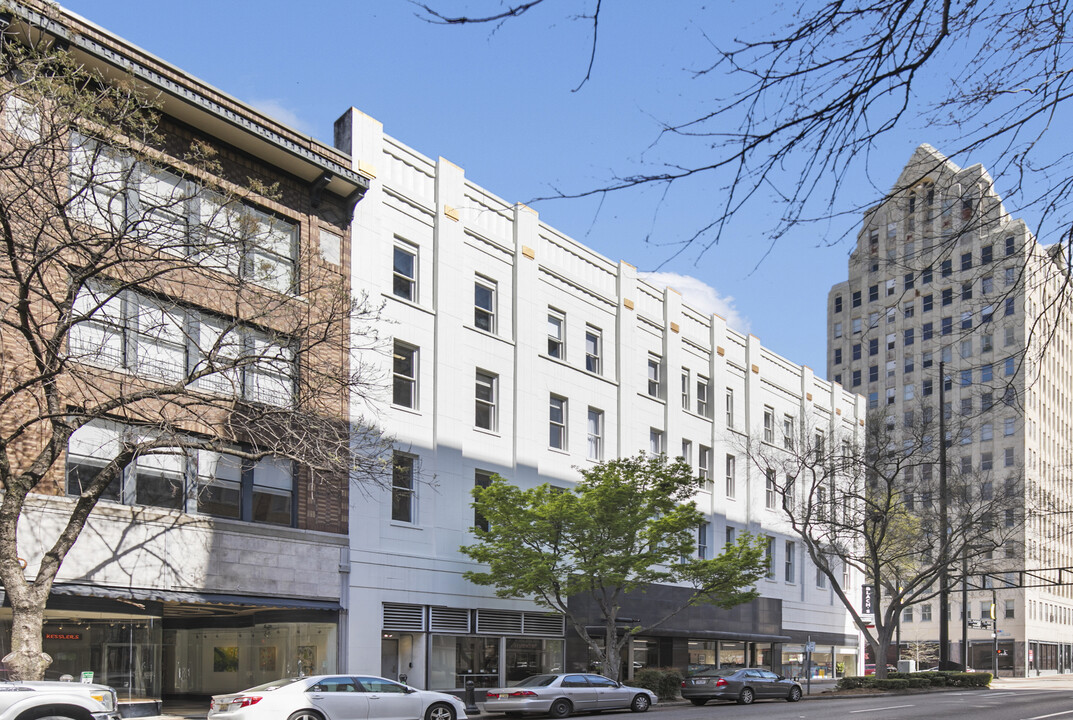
[(944, 587)]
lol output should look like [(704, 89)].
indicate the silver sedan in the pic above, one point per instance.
[(561, 695)]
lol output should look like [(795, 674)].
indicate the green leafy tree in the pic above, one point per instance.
[(629, 523)]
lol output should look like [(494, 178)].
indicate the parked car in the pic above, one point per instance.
[(562, 694), (870, 668), (52, 698), (741, 684), (336, 697)]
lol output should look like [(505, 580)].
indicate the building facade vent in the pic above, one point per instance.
[(404, 617), (450, 620), (544, 624), (499, 622)]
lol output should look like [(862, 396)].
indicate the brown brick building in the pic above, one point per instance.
[(198, 285)]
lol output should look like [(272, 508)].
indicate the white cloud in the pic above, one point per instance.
[(280, 113), (701, 296)]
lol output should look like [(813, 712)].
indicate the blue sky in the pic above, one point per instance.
[(499, 103)]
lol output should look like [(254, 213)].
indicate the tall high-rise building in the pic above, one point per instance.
[(943, 274)]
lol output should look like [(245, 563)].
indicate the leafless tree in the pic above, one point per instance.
[(150, 308), (812, 100), (875, 508)]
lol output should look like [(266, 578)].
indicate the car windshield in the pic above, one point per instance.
[(537, 681), (274, 685)]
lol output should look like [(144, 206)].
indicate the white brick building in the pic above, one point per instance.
[(521, 352)]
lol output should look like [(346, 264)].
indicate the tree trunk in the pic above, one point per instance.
[(612, 658), (882, 647), (27, 659)]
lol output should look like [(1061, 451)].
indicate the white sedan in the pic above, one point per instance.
[(565, 694), (336, 697)]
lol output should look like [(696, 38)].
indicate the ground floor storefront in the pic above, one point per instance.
[(152, 645), (444, 648)]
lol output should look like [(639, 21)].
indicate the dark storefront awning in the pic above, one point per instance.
[(196, 598), (703, 634)]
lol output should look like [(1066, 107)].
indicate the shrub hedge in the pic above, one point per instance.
[(901, 681), (665, 682)]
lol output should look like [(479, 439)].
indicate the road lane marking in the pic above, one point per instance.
[(898, 707), (1040, 717)]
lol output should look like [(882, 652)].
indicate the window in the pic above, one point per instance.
[(1008, 459), (557, 423), (404, 272), (966, 320), (702, 541), (484, 304), (856, 298), (908, 281), (402, 488), (821, 578), (838, 303), (790, 561), (856, 325), (730, 408), (987, 343), (890, 287), (926, 387), (948, 297), (856, 351), (704, 465), (771, 491), (890, 341), (1010, 308), (873, 346), (947, 268), (404, 378), (686, 388), (873, 293), (966, 378), (730, 534), (703, 403), (1009, 336), (947, 326), (926, 331), (769, 556), (908, 310), (769, 424), (837, 356), (1010, 247), (926, 276), (486, 399), (855, 378), (926, 303), (1010, 613), (654, 375), (987, 254), (908, 333), (731, 469), (1009, 366), (481, 479), (907, 615), (926, 359), (966, 261), (1009, 276), (593, 349), (556, 334), (987, 285), (655, 442), (873, 373), (966, 348), (788, 432), (596, 434), (687, 452), (986, 374), (838, 330), (1008, 426)]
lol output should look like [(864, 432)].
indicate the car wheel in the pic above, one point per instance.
[(698, 701), (440, 711), (746, 697), (795, 694), (306, 715), (641, 703), (560, 708)]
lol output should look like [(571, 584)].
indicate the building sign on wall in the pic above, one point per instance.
[(868, 604), (62, 636)]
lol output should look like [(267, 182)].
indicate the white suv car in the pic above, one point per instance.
[(53, 699)]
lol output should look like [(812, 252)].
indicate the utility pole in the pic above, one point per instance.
[(994, 633), (944, 588), (964, 609)]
